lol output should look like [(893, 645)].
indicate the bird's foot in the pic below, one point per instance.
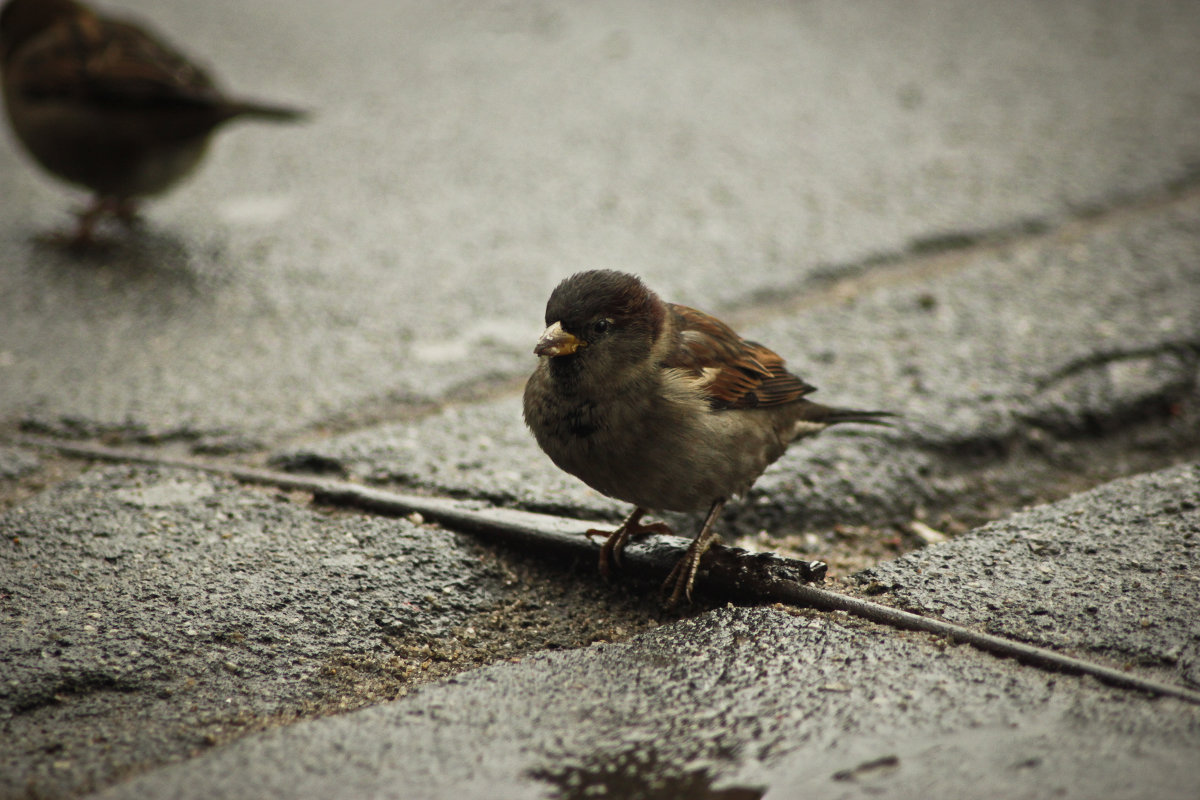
[(615, 541), (85, 225), (123, 210), (680, 580), (683, 576)]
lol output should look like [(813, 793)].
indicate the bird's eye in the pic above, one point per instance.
[(601, 325)]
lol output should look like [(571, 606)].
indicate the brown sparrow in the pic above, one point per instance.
[(661, 406), (103, 104)]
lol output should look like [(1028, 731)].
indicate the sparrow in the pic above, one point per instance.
[(663, 407), (104, 104)]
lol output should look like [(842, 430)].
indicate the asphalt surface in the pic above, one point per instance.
[(986, 218), (460, 162)]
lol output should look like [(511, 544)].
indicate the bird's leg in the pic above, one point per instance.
[(615, 541), (683, 576), (87, 219), (125, 209)]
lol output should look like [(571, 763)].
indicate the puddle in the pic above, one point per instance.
[(638, 775)]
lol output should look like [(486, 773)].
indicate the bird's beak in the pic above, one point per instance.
[(557, 342)]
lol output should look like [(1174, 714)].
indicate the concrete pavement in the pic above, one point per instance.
[(985, 218)]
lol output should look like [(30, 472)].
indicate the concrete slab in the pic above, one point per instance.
[(15, 462), (400, 246), (1113, 573), (149, 613), (203, 611), (738, 703)]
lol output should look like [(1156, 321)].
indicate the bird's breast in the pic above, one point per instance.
[(661, 450)]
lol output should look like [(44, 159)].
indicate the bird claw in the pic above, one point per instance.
[(615, 541), (683, 576), (680, 580)]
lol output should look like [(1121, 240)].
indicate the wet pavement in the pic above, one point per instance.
[(985, 218)]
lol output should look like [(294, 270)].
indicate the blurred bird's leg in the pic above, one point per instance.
[(683, 576), (86, 220), (125, 209), (615, 541)]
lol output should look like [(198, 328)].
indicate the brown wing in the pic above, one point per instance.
[(733, 372), (110, 63)]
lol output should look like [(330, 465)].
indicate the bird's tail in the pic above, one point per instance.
[(266, 111), (835, 415), (813, 418)]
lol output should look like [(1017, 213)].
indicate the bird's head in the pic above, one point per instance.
[(599, 324)]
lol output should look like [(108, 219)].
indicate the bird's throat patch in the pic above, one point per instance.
[(582, 421)]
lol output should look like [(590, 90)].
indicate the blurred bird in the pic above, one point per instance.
[(662, 406), (103, 104)]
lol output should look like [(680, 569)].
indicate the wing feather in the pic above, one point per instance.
[(733, 372), (111, 62)]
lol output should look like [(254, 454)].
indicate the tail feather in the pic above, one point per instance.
[(814, 418), (266, 111), (835, 415)]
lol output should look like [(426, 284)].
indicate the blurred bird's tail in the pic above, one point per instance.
[(266, 111)]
